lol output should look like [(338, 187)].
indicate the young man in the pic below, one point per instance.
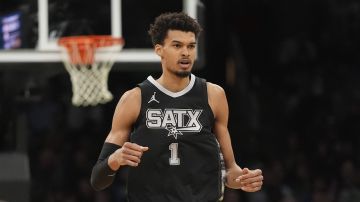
[(168, 130)]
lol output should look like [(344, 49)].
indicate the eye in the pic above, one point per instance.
[(177, 45), (192, 46)]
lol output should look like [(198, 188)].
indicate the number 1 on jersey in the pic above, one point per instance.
[(174, 159)]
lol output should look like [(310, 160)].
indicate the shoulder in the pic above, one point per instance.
[(125, 115), (214, 90), (216, 98), (130, 101), (131, 95)]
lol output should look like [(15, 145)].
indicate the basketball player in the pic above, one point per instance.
[(168, 130)]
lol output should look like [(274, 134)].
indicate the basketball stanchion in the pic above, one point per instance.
[(88, 60)]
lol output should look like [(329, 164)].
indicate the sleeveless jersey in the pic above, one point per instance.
[(182, 163)]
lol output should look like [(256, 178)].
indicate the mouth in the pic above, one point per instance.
[(184, 63)]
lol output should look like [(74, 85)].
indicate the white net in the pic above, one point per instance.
[(89, 67)]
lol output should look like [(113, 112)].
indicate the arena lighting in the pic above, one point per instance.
[(10, 30)]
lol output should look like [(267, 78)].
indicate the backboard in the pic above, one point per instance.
[(43, 22)]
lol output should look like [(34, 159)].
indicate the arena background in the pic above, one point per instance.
[(290, 70)]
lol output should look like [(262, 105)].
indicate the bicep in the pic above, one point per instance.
[(219, 105), (125, 115), (221, 112)]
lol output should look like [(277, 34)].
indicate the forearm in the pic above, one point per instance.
[(103, 174), (226, 150)]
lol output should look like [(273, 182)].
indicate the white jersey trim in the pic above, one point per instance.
[(173, 94)]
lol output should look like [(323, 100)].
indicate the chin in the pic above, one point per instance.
[(183, 74)]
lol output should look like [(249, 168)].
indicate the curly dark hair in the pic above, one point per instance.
[(172, 21)]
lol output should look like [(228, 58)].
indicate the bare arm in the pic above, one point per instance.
[(245, 179), (219, 105), (117, 151), (125, 115)]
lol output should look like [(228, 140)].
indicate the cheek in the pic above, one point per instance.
[(192, 52), (171, 57), (193, 55)]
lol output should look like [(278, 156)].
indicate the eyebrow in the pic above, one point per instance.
[(175, 41)]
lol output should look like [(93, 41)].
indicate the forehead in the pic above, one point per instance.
[(180, 36)]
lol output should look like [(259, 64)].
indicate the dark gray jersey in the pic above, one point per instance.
[(182, 163)]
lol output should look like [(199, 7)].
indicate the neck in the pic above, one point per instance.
[(173, 83)]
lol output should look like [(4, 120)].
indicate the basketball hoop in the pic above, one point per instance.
[(89, 59)]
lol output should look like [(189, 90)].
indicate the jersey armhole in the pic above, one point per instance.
[(140, 86), (206, 98)]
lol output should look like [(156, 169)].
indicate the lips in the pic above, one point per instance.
[(184, 63)]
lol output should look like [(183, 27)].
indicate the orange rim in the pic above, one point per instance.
[(96, 40), (86, 46)]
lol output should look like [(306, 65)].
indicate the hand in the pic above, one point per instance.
[(129, 154), (244, 179), (251, 180)]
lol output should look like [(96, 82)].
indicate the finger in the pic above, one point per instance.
[(250, 175), (131, 163), (257, 172), (133, 146), (252, 180), (144, 148), (245, 170), (252, 172), (132, 158), (132, 152), (254, 184), (250, 189)]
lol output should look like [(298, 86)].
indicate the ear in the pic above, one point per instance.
[(158, 49)]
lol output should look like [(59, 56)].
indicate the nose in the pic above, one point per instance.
[(185, 51)]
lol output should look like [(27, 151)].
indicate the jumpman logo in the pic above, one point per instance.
[(153, 98)]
